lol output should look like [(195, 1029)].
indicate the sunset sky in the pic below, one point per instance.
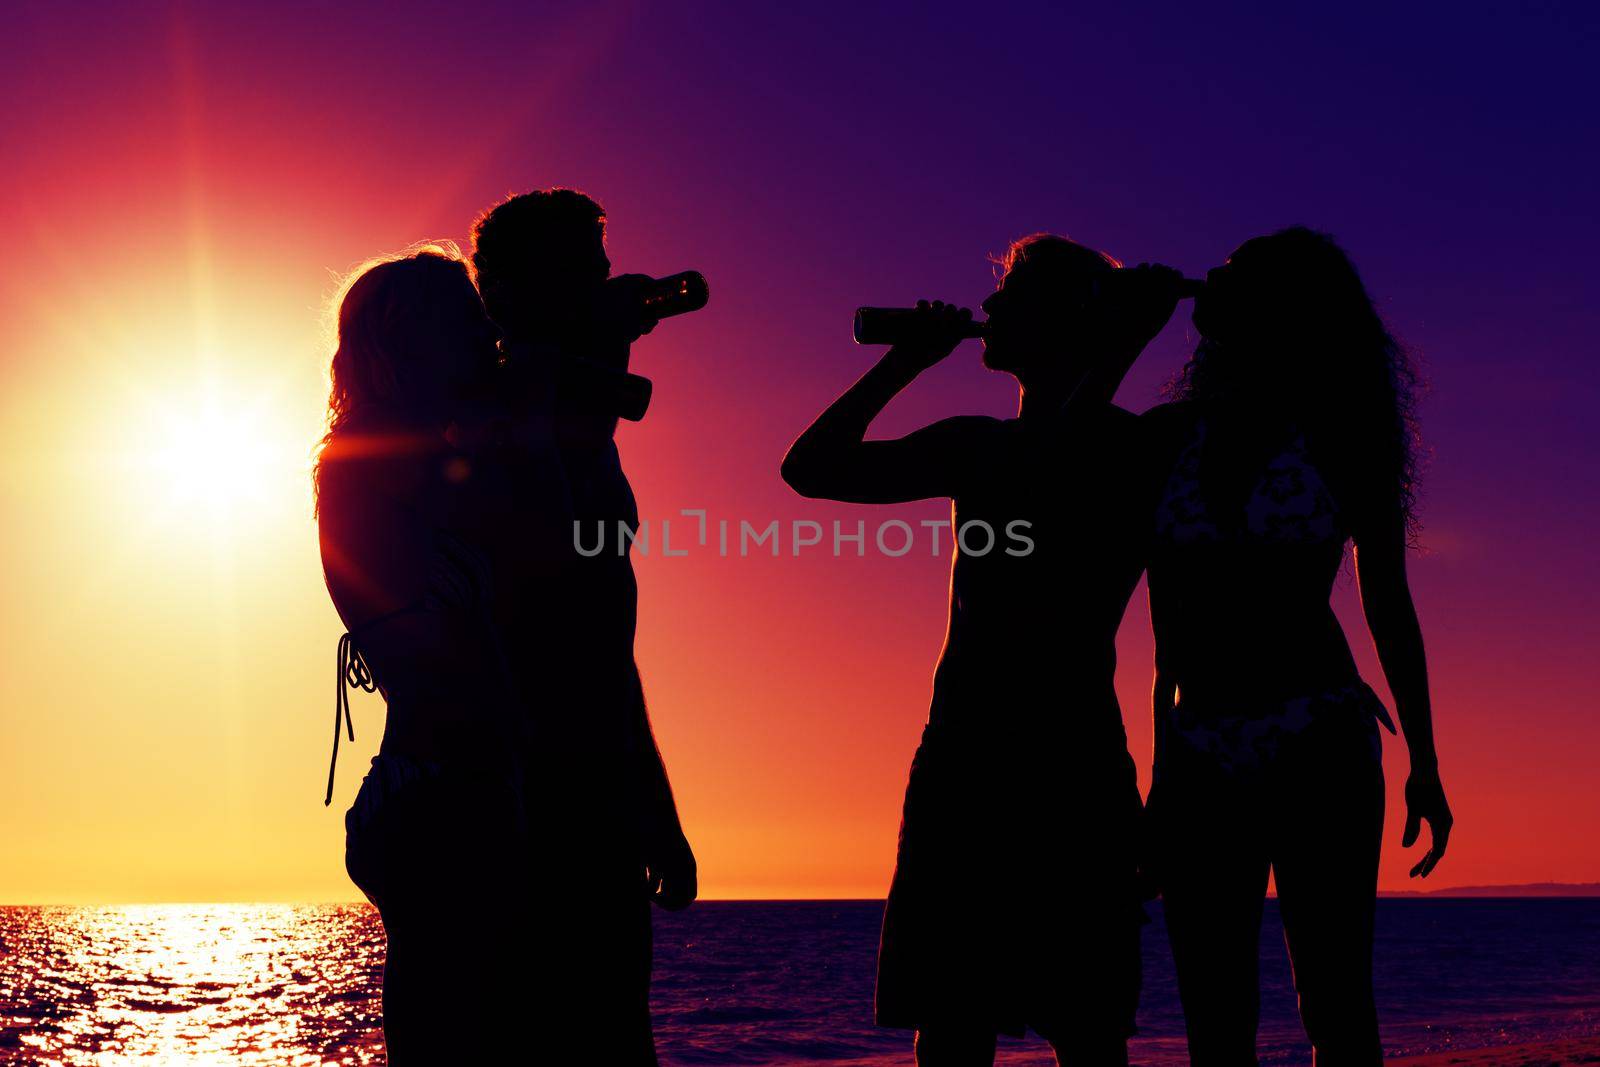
[(183, 184)]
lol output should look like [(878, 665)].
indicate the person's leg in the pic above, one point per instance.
[(1078, 1054), (1326, 864), (1091, 978), (634, 949), (955, 1046), (1214, 880), (421, 977), (938, 967), (400, 1040), (1093, 1030), (446, 991), (438, 851), (596, 935), (379, 859)]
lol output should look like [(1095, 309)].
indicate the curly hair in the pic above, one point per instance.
[(1309, 342), (381, 313)]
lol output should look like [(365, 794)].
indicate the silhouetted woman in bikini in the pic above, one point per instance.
[(1292, 435), (417, 529)]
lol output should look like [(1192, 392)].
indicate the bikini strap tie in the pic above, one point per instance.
[(352, 672)]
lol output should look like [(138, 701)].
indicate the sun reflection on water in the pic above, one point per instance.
[(191, 984)]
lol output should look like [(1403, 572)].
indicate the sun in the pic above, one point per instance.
[(220, 450), (212, 456)]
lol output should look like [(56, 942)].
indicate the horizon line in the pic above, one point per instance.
[(1550, 890)]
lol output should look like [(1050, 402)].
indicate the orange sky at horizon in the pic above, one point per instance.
[(187, 188)]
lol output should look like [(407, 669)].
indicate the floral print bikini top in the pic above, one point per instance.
[(1289, 505)]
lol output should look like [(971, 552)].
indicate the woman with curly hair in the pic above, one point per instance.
[(421, 525), (1291, 434)]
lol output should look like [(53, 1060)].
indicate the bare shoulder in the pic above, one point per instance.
[(974, 426), (370, 460), (1171, 413), (1116, 419), (962, 435)]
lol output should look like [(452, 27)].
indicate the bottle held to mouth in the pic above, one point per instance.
[(1187, 287), (892, 326), (597, 388), (676, 294)]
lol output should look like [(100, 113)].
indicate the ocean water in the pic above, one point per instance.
[(735, 983)]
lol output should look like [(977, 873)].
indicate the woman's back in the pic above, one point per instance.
[(1249, 536), (409, 583)]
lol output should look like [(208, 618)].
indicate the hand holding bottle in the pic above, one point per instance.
[(929, 333), (1138, 302), (618, 317)]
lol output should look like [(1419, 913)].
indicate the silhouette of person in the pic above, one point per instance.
[(608, 837), (1014, 901), (1291, 434), (415, 535)]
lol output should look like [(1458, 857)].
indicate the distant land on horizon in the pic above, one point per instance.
[(1532, 889)]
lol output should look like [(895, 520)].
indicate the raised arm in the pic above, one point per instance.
[(1135, 305), (832, 460), (1392, 620)]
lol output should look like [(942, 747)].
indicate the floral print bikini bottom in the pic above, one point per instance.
[(1249, 740)]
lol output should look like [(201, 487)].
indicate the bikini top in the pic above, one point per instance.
[(1291, 506), (1290, 503), (459, 581)]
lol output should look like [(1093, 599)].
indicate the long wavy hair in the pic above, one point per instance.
[(1287, 326), (386, 327)]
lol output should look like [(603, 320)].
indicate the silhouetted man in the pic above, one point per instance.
[(1014, 902), (604, 828)]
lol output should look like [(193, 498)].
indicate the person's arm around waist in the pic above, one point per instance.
[(670, 868)]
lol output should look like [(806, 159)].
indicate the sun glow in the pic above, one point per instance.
[(222, 451), (211, 455)]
